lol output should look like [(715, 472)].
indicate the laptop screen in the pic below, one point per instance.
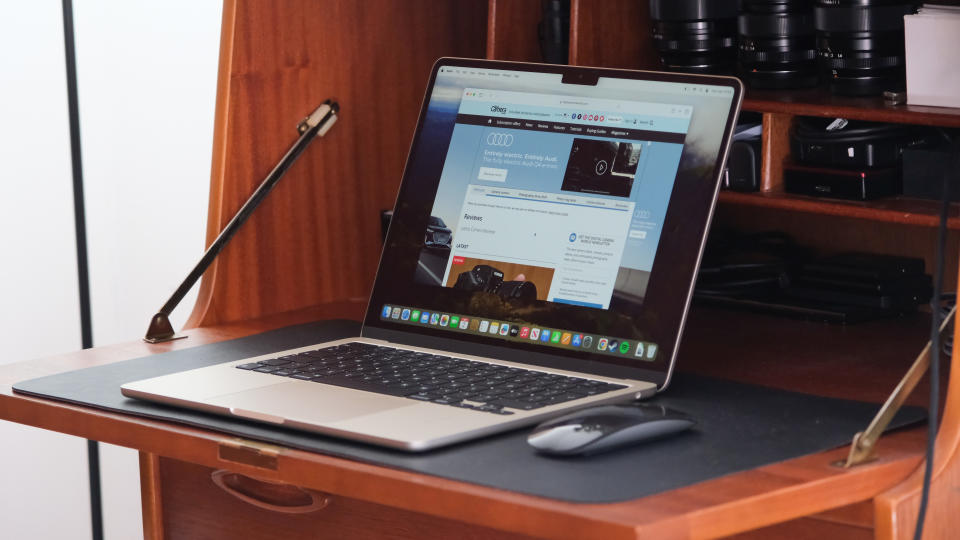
[(543, 214)]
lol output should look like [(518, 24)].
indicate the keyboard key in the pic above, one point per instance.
[(266, 369), (253, 365), (516, 404), (275, 361), (492, 408)]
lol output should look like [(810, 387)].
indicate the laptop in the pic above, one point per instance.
[(541, 258)]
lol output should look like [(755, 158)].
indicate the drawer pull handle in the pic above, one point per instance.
[(272, 496)]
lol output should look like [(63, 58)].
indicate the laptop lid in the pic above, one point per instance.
[(554, 215)]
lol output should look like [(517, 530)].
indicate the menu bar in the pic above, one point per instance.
[(573, 129), (579, 103)]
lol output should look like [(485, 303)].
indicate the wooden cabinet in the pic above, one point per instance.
[(278, 60), (202, 502), (316, 239), (311, 251), (616, 33)]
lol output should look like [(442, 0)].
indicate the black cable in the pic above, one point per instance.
[(948, 300), (83, 277), (933, 420)]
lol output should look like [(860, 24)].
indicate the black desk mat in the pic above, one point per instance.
[(741, 427)]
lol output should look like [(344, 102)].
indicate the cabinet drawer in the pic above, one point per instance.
[(200, 502)]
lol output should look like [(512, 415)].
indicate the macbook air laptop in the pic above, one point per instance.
[(541, 258)]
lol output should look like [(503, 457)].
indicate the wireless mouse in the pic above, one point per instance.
[(598, 429)]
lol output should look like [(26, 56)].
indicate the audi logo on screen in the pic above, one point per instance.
[(499, 139)]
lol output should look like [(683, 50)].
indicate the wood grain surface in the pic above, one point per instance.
[(897, 510), (512, 30), (899, 210), (774, 150), (820, 102), (195, 508), (612, 33), (316, 237)]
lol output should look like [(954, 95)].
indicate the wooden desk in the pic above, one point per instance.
[(181, 501), (316, 240)]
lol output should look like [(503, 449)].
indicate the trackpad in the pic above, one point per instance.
[(308, 402)]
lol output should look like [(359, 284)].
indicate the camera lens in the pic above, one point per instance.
[(777, 46), (860, 44), (695, 36)]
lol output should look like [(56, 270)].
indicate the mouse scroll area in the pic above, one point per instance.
[(599, 429), (564, 439)]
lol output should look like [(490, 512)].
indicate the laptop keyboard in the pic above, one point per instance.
[(431, 377)]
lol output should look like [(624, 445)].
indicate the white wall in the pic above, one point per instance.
[(147, 77), (38, 277)]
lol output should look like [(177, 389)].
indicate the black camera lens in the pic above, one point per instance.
[(774, 6), (695, 36), (860, 45), (777, 46)]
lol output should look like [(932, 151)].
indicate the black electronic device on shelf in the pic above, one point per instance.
[(855, 144), (850, 159), (838, 183), (923, 171), (743, 163), (769, 273)]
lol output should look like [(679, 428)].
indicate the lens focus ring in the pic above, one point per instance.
[(685, 10), (780, 57), (860, 18), (864, 62), (779, 24)]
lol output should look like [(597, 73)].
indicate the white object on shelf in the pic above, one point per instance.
[(932, 43)]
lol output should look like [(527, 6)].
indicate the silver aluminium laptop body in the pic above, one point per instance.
[(551, 221)]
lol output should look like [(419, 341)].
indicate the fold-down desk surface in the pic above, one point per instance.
[(854, 362)]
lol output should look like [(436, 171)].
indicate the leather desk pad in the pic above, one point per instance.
[(740, 427)]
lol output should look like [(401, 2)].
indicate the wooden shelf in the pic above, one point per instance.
[(900, 210), (820, 102), (806, 356)]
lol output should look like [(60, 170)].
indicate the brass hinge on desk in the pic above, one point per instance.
[(254, 454), (863, 446)]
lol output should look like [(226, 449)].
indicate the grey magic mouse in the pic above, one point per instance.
[(598, 429)]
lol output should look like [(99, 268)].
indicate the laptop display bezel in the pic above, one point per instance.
[(658, 372)]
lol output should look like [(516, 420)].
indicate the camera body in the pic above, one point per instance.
[(485, 278)]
